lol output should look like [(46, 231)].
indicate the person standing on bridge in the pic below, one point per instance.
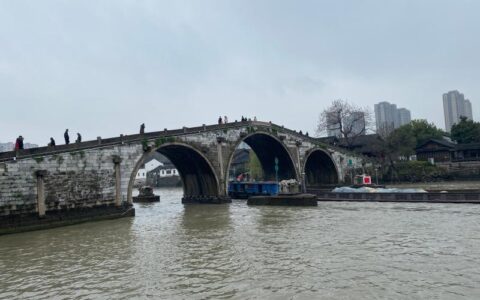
[(220, 120), (79, 138), (67, 137), (19, 143), (225, 120), (52, 142), (142, 128)]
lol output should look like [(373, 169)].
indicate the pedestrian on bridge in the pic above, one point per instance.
[(220, 120), (52, 142), (225, 120), (19, 143), (142, 128), (67, 137), (79, 138)]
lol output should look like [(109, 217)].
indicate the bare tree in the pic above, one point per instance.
[(345, 120), (385, 130)]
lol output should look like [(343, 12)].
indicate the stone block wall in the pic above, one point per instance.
[(79, 179), (87, 178), (17, 188)]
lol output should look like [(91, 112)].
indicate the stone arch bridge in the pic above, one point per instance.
[(102, 172)]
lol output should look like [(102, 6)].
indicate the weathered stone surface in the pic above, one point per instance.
[(82, 175)]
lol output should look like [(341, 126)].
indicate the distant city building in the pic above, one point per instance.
[(403, 117), (333, 127), (388, 117), (455, 106), (468, 109), (355, 121), (5, 147)]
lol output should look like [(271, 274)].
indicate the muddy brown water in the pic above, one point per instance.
[(172, 251)]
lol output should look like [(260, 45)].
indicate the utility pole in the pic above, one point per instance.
[(276, 169)]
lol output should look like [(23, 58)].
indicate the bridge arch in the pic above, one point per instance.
[(267, 146), (320, 169), (199, 179)]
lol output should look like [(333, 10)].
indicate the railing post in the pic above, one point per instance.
[(40, 174), (220, 140), (118, 180)]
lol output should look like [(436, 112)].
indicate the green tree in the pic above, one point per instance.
[(466, 131), (403, 140), (401, 143), (423, 131), (255, 167)]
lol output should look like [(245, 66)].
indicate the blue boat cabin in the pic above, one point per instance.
[(243, 190)]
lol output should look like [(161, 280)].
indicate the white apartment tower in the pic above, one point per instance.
[(403, 117), (455, 106), (388, 117)]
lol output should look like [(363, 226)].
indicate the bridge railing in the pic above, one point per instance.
[(47, 150)]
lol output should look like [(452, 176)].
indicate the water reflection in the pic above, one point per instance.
[(202, 220)]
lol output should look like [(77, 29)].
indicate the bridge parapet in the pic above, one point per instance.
[(27, 153), (100, 174)]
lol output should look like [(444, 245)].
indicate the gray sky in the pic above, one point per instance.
[(104, 67)]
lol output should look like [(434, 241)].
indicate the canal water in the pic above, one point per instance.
[(172, 251)]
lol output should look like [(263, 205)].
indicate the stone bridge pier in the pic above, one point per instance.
[(88, 179)]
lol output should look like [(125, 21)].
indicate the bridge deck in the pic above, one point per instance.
[(46, 150)]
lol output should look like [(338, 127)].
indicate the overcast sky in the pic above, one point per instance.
[(103, 67)]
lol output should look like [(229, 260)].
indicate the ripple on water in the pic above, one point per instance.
[(336, 250)]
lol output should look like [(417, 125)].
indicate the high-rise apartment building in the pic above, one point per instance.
[(455, 106), (388, 117), (403, 117), (468, 109), (333, 126)]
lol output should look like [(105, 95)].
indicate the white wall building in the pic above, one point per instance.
[(152, 165), (147, 167)]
